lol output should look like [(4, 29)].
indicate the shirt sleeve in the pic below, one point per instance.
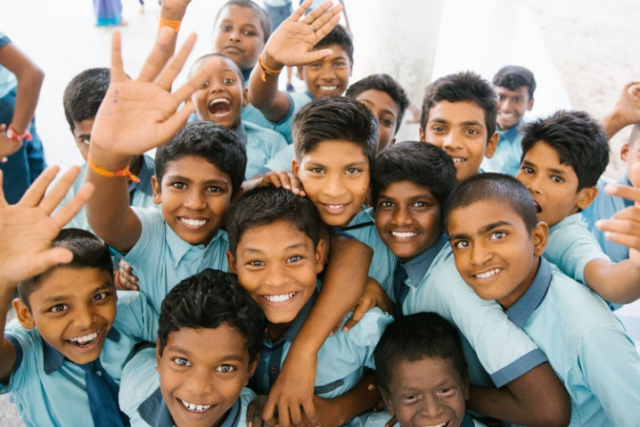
[(139, 381), (136, 317), (281, 160), (25, 344), (367, 333)]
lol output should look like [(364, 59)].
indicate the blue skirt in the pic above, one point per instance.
[(108, 12)]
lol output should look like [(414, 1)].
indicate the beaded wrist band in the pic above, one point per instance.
[(122, 172), (266, 70), (174, 25)]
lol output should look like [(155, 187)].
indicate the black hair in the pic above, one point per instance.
[(416, 337), (84, 94), (267, 205), (340, 36), (334, 118), (465, 86), (383, 83), (230, 61), (88, 252), (577, 138), (207, 300), (210, 141), (265, 21), (514, 76), (425, 165), (499, 188)]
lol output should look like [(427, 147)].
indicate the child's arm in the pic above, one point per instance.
[(27, 229), (30, 79), (343, 285), (134, 117), (626, 111), (290, 45), (171, 14)]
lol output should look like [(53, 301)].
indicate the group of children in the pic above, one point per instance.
[(275, 238)]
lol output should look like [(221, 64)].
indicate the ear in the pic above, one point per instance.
[(351, 68), (320, 255), (539, 236), (295, 167), (465, 388), (422, 139), (624, 152), (300, 72), (237, 195), (245, 96), (23, 314), (158, 355), (387, 401), (492, 145), (252, 369), (393, 141), (530, 105), (156, 190), (586, 196), (231, 260)]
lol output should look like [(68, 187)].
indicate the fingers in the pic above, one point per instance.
[(310, 412), (43, 261), (195, 82), (128, 281), (391, 422), (626, 192), (117, 67), (3, 201), (34, 193), (326, 22), (158, 57), (254, 414), (297, 14), (71, 209), (317, 12), (59, 190), (269, 411), (296, 416), (170, 72), (362, 307)]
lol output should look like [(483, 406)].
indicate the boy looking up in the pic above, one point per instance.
[(276, 250), (514, 87), (422, 373), (411, 182), (209, 342), (459, 116), (498, 244), (68, 343), (563, 157)]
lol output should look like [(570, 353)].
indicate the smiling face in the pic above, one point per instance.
[(277, 265), (408, 219), (335, 176), (427, 392), (460, 129), (195, 195), (222, 96), (329, 76), (494, 252), (385, 110), (239, 35), (73, 310), (512, 104), (553, 185), (202, 372)]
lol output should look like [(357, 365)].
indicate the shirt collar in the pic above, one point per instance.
[(575, 218), (467, 421), (297, 323), (179, 248), (147, 170), (53, 359), (520, 312), (511, 133), (418, 266), (241, 132)]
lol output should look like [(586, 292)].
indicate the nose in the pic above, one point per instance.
[(327, 73), (84, 316), (195, 200), (401, 217), (334, 187), (451, 141), (199, 383), (431, 409), (234, 35), (276, 276), (479, 255)]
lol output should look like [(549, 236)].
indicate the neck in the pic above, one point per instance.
[(277, 330)]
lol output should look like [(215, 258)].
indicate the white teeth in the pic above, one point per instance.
[(328, 88), (403, 234), (85, 339), (488, 273), (279, 298), (193, 407), (457, 159), (438, 425), (215, 101), (194, 222), (335, 206)]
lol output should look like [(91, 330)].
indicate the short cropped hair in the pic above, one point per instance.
[(88, 252), (265, 21), (340, 36), (514, 76), (578, 139), (334, 118), (208, 56), (425, 165), (84, 94), (210, 141), (383, 83), (465, 86), (267, 205), (499, 188), (205, 301), (414, 338)]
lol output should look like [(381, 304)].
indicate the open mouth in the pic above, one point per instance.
[(335, 207), (488, 274), (219, 107), (538, 208), (192, 407), (279, 298), (458, 161), (85, 340), (404, 234), (440, 425), (328, 88)]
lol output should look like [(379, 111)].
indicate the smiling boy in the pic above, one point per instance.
[(498, 244), (459, 116)]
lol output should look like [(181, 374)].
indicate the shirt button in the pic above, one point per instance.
[(99, 373), (274, 370)]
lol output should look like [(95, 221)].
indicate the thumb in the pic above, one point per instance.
[(635, 177)]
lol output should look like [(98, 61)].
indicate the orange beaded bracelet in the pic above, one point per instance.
[(122, 172)]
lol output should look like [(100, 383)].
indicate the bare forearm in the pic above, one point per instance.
[(612, 124), (28, 92), (264, 95), (172, 13), (7, 353), (615, 282)]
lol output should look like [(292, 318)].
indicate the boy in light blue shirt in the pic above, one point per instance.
[(514, 86), (498, 244), (410, 184), (563, 157), (208, 345)]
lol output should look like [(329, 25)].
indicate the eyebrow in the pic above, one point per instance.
[(61, 298), (189, 180), (385, 110), (177, 349), (492, 226)]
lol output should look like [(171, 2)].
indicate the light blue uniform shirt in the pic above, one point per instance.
[(604, 207), (141, 193), (261, 144), (571, 246), (141, 399), (362, 227), (161, 259), (507, 157), (50, 390), (586, 345), (500, 348), (341, 359), (283, 127), (281, 161), (380, 419)]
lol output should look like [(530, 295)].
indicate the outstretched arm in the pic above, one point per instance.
[(626, 111), (171, 14), (290, 45), (134, 117), (27, 229)]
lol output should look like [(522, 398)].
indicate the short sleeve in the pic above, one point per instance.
[(136, 317), (25, 343), (367, 333), (139, 381), (281, 160)]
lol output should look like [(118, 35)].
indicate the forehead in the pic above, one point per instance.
[(457, 113), (83, 128), (195, 168), (405, 189), (220, 65), (336, 152), (426, 373), (521, 91), (338, 52), (241, 15), (543, 154), (219, 343), (272, 237), (378, 99), (72, 282), (480, 214)]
